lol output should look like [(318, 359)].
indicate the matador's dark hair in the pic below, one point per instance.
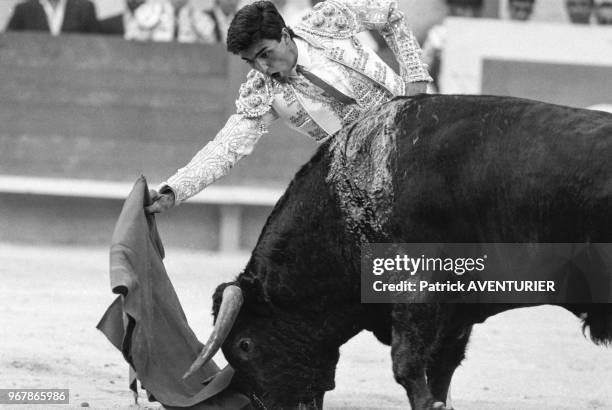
[(256, 21)]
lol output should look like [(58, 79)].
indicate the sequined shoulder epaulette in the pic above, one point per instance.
[(330, 19), (255, 96)]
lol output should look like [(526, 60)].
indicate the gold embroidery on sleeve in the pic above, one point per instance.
[(235, 141)]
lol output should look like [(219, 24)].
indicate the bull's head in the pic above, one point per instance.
[(281, 359)]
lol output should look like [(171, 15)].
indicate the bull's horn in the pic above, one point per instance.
[(230, 307)]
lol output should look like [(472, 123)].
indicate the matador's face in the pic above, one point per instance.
[(273, 58)]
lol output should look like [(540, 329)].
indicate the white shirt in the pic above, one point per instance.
[(55, 15), (320, 108), (322, 67)]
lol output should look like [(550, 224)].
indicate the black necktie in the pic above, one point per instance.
[(328, 89)]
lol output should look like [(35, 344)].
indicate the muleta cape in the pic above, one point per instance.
[(146, 321)]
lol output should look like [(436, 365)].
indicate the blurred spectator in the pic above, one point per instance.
[(464, 8), (155, 20), (579, 11), (115, 25), (436, 37), (55, 16), (206, 26), (603, 12), (520, 9)]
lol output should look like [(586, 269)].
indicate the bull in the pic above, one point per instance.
[(447, 169)]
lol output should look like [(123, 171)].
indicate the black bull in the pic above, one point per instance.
[(464, 169)]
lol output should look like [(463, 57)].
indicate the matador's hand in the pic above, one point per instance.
[(161, 202)]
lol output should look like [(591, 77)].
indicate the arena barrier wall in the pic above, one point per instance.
[(81, 115)]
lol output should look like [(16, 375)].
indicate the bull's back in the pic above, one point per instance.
[(493, 169)]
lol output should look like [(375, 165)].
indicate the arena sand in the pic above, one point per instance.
[(52, 298)]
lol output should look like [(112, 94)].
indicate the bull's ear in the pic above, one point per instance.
[(218, 296), (244, 348)]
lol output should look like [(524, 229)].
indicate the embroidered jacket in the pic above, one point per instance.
[(327, 47)]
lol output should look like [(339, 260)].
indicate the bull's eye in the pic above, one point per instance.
[(246, 345)]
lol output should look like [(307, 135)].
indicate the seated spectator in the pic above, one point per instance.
[(603, 12), (115, 25), (434, 43), (206, 26), (579, 11), (55, 16), (464, 8), (520, 9), (155, 20)]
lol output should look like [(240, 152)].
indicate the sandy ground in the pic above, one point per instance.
[(52, 298)]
